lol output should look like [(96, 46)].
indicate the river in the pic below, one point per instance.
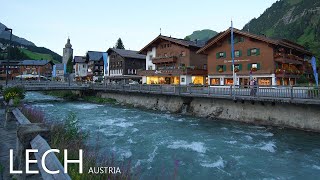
[(157, 142)]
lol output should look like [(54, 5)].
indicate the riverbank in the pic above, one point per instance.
[(296, 116)]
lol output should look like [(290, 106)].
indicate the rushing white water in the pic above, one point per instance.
[(157, 142)]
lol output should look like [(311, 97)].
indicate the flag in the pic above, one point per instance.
[(232, 54), (54, 71), (105, 63), (314, 67)]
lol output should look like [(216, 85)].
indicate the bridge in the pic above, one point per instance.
[(289, 94)]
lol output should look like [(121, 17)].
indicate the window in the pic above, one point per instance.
[(183, 80), (228, 81), (220, 55), (215, 81), (165, 55), (205, 66), (254, 52), (183, 53), (254, 66), (150, 68), (237, 53), (221, 68), (237, 67), (264, 81)]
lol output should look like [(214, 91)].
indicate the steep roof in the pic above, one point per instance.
[(282, 42), (95, 55), (59, 66), (182, 42), (127, 53), (34, 62), (79, 59)]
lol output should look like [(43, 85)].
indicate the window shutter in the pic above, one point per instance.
[(224, 54), (277, 65), (224, 67), (218, 67), (240, 53), (258, 51), (217, 55), (249, 52), (240, 67), (258, 66), (249, 66), (231, 67)]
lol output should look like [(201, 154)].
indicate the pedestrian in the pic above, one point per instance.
[(251, 87), (255, 87)]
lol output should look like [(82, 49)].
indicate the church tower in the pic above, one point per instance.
[(67, 52)]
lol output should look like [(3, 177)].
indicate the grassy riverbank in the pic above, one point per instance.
[(68, 135), (69, 95)]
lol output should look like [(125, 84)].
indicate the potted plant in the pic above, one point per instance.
[(220, 70), (236, 70), (254, 69)]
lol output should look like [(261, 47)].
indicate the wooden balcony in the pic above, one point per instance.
[(173, 72), (161, 60), (288, 59)]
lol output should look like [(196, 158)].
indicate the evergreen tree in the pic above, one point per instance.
[(69, 65), (119, 44)]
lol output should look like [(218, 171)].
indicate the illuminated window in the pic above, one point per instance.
[(215, 81)]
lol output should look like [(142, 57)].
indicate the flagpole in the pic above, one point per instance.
[(232, 55)]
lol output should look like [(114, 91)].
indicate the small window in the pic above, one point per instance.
[(150, 68), (165, 55), (254, 52), (237, 53), (215, 81), (183, 80), (254, 65), (220, 55), (183, 53), (205, 66)]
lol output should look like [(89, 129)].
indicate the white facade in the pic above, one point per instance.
[(185, 79), (149, 65), (81, 69), (150, 54)]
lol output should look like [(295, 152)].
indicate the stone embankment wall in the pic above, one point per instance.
[(306, 117)]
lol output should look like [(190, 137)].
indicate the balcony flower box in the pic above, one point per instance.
[(220, 70), (279, 71), (236, 70), (254, 69)]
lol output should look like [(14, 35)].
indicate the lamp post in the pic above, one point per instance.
[(9, 55)]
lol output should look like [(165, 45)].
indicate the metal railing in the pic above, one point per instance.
[(268, 92)]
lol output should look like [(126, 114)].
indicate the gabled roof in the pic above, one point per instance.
[(59, 66), (127, 53), (281, 42), (79, 59), (182, 42), (35, 62), (95, 55)]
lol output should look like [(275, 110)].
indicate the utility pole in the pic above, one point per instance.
[(9, 55)]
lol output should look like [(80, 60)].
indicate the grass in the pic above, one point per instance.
[(68, 135), (38, 56), (99, 100), (68, 95)]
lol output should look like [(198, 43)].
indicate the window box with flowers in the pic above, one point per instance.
[(254, 69), (220, 70), (279, 71)]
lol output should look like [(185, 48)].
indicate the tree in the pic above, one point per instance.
[(187, 38), (119, 44), (69, 65)]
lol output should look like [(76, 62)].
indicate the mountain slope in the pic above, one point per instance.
[(203, 35), (296, 20), (6, 35)]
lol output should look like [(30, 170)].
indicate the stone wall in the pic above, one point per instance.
[(306, 117)]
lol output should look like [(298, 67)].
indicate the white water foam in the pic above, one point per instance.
[(135, 130), (85, 106), (224, 128), (269, 146), (153, 154), (217, 164), (43, 105), (316, 167), (124, 124), (195, 146), (231, 142), (249, 138)]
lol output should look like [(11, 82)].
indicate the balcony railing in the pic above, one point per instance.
[(159, 60), (288, 58)]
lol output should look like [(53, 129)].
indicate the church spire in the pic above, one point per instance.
[(68, 45)]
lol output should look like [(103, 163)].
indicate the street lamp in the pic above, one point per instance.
[(7, 67)]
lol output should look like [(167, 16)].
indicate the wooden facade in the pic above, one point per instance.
[(175, 58), (271, 62)]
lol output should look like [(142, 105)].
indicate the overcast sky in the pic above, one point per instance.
[(97, 24)]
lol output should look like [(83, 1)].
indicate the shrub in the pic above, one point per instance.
[(34, 115), (302, 80), (13, 92)]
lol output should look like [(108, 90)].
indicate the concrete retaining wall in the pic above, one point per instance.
[(306, 117)]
